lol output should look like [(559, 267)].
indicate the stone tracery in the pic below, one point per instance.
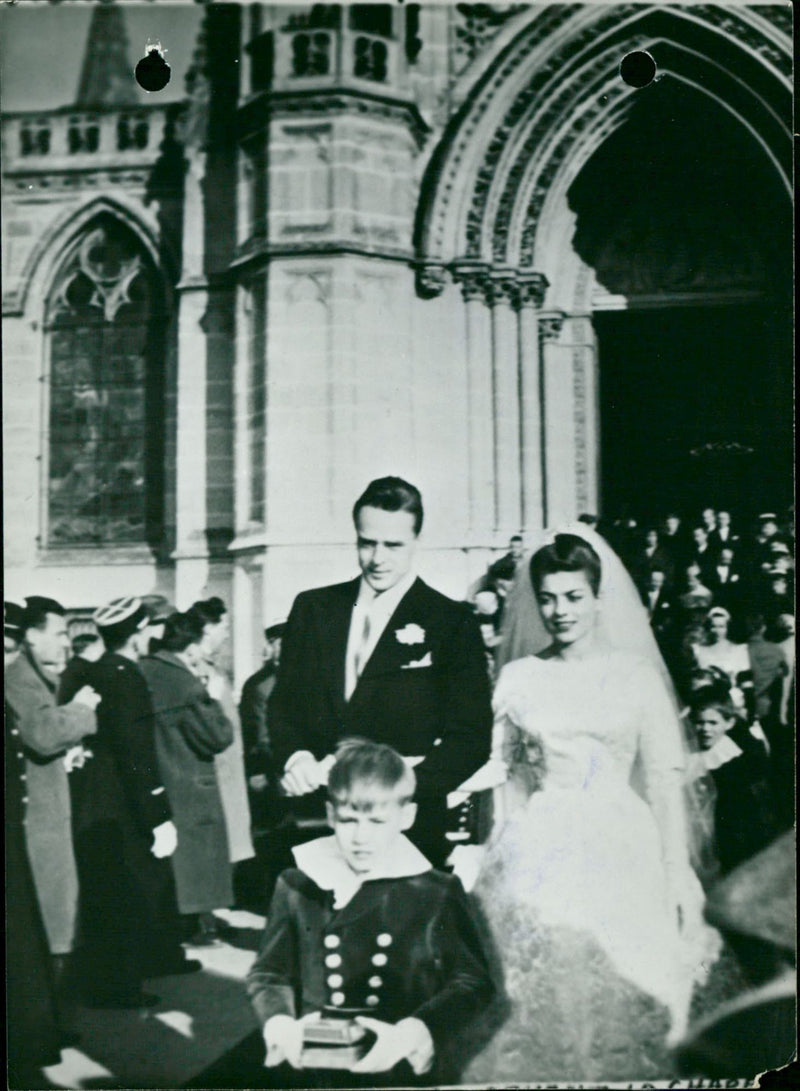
[(539, 107)]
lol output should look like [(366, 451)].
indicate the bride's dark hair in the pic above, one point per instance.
[(567, 553)]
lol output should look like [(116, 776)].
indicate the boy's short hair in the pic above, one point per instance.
[(362, 763), (716, 695)]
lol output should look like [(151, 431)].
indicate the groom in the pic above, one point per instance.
[(387, 658)]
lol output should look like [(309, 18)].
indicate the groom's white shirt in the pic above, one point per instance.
[(378, 607)]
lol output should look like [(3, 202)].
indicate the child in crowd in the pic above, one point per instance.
[(364, 928), (737, 762)]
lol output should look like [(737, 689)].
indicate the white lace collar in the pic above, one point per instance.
[(322, 861), (705, 761)]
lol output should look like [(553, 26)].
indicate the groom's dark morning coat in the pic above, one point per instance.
[(439, 709)]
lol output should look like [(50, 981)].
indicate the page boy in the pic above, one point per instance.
[(364, 925), (737, 761)]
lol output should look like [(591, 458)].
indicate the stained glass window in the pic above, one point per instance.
[(103, 327)]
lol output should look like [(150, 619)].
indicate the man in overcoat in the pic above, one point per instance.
[(253, 706), (34, 1037), (47, 732), (387, 658), (124, 831)]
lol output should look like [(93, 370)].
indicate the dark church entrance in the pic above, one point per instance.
[(685, 221), (695, 409)]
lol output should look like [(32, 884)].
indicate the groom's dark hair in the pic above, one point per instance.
[(391, 494)]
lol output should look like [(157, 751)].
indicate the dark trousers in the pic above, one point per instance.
[(428, 832), (31, 1021)]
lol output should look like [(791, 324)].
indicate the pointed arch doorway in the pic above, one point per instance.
[(529, 206), (688, 232)]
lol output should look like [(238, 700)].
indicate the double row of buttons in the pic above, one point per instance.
[(333, 961)]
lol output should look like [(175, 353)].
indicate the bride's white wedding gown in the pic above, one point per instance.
[(574, 890)]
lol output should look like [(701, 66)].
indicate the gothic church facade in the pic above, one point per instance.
[(355, 248)]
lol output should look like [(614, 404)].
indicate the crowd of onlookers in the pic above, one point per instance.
[(127, 807), (140, 795), (719, 594)]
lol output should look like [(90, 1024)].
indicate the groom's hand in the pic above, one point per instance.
[(305, 774), (300, 778)]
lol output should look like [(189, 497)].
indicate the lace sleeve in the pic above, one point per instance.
[(520, 752)]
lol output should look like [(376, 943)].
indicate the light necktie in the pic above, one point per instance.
[(360, 658)]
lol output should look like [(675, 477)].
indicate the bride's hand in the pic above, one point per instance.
[(686, 897)]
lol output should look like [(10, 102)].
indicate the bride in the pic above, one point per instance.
[(586, 887)]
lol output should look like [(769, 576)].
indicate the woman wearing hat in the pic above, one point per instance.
[(211, 616), (191, 729), (124, 829)]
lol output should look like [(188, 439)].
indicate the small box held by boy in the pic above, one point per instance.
[(370, 960)]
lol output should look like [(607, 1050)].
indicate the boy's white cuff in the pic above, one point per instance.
[(420, 1044)]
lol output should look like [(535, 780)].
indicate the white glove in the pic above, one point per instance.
[(87, 697), (306, 774), (75, 757), (165, 840), (407, 1040), (283, 1037)]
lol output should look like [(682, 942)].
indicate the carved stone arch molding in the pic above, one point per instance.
[(551, 94), (535, 102), (54, 245)]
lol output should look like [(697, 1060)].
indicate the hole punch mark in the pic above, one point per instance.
[(637, 68), (152, 71)]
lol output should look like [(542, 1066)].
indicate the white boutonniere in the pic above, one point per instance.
[(410, 634)]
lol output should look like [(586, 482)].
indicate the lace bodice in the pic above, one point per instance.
[(591, 720)]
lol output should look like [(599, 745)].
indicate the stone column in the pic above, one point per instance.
[(241, 449), (247, 617), (191, 553), (474, 281), (505, 374), (531, 291), (559, 425), (579, 332), (108, 133)]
